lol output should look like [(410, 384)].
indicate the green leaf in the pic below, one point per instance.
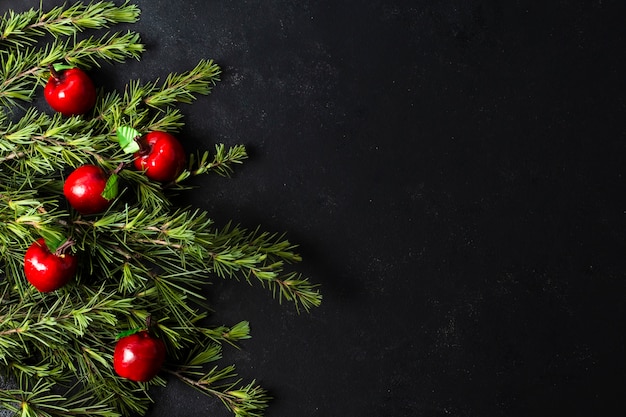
[(111, 188), (128, 332), (126, 136), (62, 67), (53, 241)]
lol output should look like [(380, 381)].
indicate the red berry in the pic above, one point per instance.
[(162, 157), (83, 189), (48, 271), (138, 357), (70, 92)]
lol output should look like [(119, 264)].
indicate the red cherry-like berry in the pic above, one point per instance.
[(48, 271), (162, 157), (83, 189), (138, 357), (70, 92)]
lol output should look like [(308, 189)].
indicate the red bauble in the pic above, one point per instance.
[(162, 157), (138, 357), (70, 92), (47, 271), (83, 189)]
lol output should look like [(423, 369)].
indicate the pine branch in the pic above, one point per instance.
[(41, 401), (231, 335), (22, 29), (24, 323), (23, 217), (41, 144), (187, 239), (87, 53), (137, 107), (183, 88), (249, 400), (222, 163), (238, 252), (20, 74)]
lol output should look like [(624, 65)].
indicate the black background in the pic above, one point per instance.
[(453, 173)]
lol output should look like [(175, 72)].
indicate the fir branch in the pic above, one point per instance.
[(137, 106), (231, 335), (168, 120), (222, 164), (23, 216), (149, 194), (249, 400), (185, 240), (115, 47), (43, 144), (21, 29), (71, 315), (200, 356), (40, 401), (238, 252), (19, 75), (184, 87)]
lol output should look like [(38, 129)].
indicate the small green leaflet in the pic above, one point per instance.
[(62, 67), (126, 136), (111, 188), (128, 332), (52, 239)]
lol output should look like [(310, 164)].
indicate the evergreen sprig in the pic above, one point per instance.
[(39, 400), (23, 29), (142, 258)]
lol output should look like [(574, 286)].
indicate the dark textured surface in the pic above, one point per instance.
[(453, 171)]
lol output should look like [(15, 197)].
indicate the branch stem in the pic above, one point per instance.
[(201, 386), (12, 156)]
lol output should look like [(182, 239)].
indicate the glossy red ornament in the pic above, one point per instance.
[(70, 92), (48, 271), (161, 156), (138, 357), (83, 189)]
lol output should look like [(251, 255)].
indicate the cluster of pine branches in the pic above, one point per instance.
[(143, 257)]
